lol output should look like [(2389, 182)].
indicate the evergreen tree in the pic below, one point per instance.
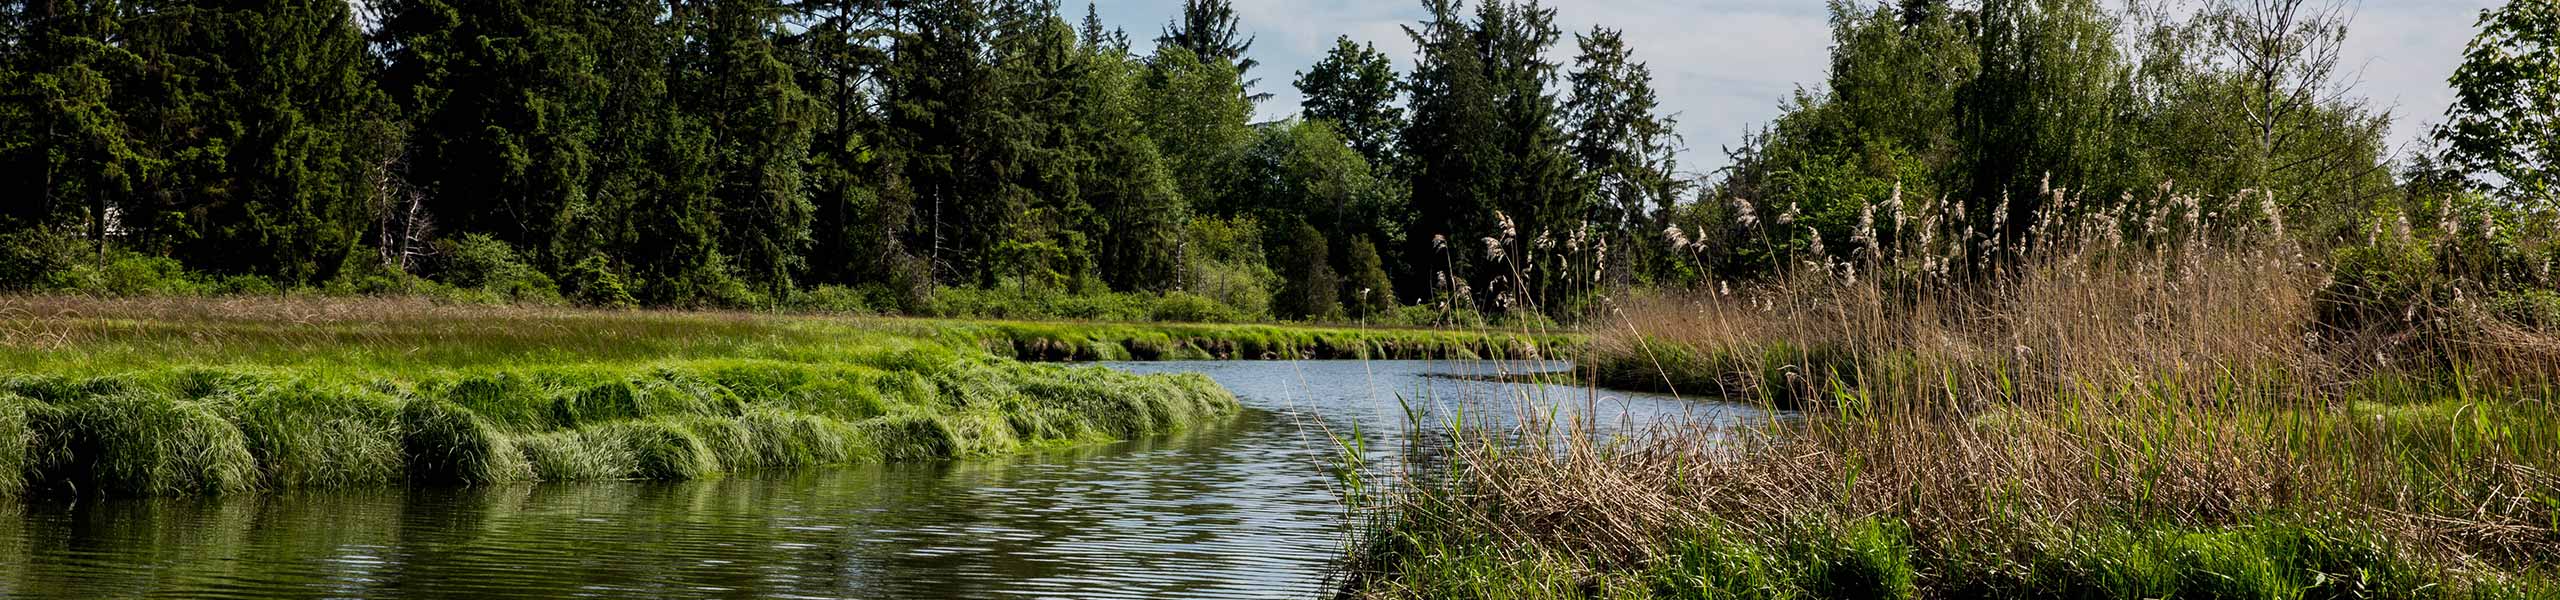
[(1623, 147), (1208, 28), (66, 144), (1044, 154), (653, 216), (733, 78), (1138, 209), (938, 90), (1453, 158), (1309, 289), (239, 138), (1490, 170), (853, 171), (1354, 87), (502, 99)]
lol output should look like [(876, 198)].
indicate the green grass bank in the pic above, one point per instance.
[(1054, 342), (134, 397)]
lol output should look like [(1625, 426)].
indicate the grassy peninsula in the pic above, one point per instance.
[(209, 396)]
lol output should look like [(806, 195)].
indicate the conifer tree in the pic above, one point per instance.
[(731, 76), (268, 131), (1209, 29), (502, 98)]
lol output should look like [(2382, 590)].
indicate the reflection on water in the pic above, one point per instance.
[(1238, 511)]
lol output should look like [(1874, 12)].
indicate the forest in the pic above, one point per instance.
[(1007, 158)]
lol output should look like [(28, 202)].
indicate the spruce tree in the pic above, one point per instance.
[(731, 76), (65, 141), (502, 99), (1209, 30), (272, 131)]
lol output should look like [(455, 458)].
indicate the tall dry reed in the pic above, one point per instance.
[(2025, 415)]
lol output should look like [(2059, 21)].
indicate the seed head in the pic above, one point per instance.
[(1866, 234)]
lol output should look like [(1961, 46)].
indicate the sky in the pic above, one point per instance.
[(1724, 66)]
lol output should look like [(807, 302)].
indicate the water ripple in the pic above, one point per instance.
[(1241, 511)]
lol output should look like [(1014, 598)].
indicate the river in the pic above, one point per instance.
[(1241, 510)]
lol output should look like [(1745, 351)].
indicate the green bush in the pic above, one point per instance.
[(593, 282), (1183, 307), (831, 299), (1425, 315), (1226, 265), (245, 285), (2529, 307), (29, 258), (1366, 290), (128, 275), (1013, 300), (362, 276), (2376, 285), (482, 263)]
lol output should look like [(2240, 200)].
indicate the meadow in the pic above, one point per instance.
[(2136, 403)]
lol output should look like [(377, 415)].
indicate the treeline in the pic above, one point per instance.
[(744, 152), (984, 156), (1983, 118)]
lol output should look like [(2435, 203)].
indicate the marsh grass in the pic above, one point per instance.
[(2102, 414), (147, 397), (1096, 341)]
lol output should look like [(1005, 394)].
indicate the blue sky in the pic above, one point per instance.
[(1724, 65)]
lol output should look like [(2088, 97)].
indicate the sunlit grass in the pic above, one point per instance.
[(213, 396)]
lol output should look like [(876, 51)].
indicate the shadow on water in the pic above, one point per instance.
[(1239, 511)]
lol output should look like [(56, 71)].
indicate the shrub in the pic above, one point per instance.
[(2376, 285), (830, 299), (479, 262), (28, 258), (1226, 265), (1183, 307), (2530, 308), (593, 282), (362, 277), (126, 275), (721, 287), (245, 285), (1309, 289), (1366, 290), (1426, 315)]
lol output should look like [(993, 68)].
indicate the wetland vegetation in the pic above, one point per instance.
[(186, 396), (2034, 298)]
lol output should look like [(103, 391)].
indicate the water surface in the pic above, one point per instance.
[(1241, 510)]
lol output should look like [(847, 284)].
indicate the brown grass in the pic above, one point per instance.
[(2093, 382)]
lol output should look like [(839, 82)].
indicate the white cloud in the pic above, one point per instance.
[(1725, 65)]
